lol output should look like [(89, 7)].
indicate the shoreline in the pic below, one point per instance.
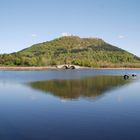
[(45, 68)]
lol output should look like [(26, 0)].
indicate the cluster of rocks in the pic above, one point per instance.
[(127, 76)]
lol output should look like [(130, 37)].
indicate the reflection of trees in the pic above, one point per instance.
[(72, 89)]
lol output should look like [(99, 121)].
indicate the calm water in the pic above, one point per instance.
[(69, 105)]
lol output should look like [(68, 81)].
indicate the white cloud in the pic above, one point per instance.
[(121, 36), (34, 35), (65, 34)]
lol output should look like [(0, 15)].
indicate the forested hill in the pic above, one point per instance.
[(92, 52)]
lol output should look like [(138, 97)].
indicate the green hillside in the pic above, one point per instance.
[(91, 52)]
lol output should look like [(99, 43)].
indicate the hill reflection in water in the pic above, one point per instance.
[(91, 87)]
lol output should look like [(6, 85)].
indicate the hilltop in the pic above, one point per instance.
[(90, 52)]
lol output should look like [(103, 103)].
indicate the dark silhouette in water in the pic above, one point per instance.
[(134, 75), (91, 87), (126, 77)]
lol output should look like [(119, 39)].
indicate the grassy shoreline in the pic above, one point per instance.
[(15, 68)]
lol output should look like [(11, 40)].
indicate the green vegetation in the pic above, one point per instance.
[(91, 52)]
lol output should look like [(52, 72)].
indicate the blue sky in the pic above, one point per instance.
[(25, 22)]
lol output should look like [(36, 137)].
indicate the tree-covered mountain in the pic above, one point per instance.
[(92, 52)]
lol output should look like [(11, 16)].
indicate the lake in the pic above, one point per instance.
[(69, 105)]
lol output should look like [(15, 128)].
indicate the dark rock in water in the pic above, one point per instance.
[(134, 75), (126, 77)]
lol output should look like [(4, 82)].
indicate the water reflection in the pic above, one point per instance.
[(91, 87)]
